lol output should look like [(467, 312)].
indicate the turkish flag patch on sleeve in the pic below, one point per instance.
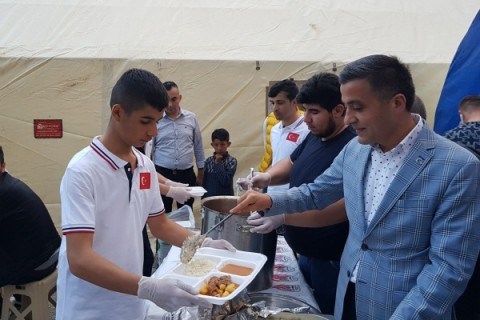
[(292, 136), (145, 180)]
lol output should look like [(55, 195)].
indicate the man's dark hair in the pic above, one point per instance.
[(323, 89), (419, 107), (386, 75), (137, 88), (470, 102), (169, 85), (220, 134), (2, 157), (287, 86)]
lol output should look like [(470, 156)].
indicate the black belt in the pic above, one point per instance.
[(174, 171)]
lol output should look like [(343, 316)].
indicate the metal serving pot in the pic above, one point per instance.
[(236, 230)]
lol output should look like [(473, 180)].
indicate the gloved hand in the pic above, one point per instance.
[(260, 180), (244, 183), (171, 183), (265, 224), (218, 244), (179, 194), (169, 294)]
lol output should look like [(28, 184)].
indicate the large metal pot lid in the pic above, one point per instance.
[(283, 301)]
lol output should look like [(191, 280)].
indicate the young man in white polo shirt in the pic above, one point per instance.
[(289, 133), (107, 193)]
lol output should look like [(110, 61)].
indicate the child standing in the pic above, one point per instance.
[(219, 168)]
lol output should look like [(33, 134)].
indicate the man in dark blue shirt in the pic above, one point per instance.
[(467, 134)]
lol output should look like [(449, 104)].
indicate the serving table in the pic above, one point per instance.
[(287, 277)]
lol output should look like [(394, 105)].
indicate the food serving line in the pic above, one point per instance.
[(280, 278), (287, 278)]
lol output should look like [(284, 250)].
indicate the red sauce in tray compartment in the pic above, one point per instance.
[(236, 269)]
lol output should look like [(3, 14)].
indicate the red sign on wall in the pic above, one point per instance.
[(47, 128)]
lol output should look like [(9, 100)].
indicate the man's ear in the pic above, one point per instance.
[(339, 110), (116, 111), (179, 98), (399, 101)]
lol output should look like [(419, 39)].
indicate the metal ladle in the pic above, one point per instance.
[(217, 224)]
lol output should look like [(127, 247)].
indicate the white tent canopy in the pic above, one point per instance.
[(60, 58), (425, 31)]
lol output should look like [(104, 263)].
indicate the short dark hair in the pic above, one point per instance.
[(322, 89), (2, 157), (287, 86), (137, 88), (169, 85), (419, 107), (386, 74), (220, 134), (469, 102)]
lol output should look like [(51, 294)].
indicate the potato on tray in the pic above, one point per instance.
[(218, 286)]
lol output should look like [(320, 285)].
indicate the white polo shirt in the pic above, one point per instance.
[(284, 141), (97, 197)]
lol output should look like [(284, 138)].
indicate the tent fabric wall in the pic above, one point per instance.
[(60, 59), (228, 94)]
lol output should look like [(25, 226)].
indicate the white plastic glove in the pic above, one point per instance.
[(171, 183), (218, 244), (265, 224), (169, 294), (261, 179), (179, 194), (244, 183)]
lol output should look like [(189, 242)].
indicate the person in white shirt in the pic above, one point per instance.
[(108, 192), (289, 133)]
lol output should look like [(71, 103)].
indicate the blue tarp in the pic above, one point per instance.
[(463, 78)]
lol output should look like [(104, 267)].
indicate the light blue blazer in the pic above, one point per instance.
[(418, 253)]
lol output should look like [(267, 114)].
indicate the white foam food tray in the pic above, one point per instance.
[(197, 191), (219, 259)]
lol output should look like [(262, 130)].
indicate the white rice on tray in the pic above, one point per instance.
[(197, 267)]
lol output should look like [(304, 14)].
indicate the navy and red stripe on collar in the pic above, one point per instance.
[(299, 123), (104, 156)]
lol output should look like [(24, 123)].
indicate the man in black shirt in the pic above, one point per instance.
[(29, 242)]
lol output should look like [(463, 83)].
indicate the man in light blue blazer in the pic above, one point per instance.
[(411, 196)]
